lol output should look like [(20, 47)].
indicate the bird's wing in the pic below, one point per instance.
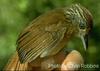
[(39, 40)]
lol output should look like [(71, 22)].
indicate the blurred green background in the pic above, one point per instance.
[(15, 15)]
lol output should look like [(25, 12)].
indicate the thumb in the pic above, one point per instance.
[(72, 62)]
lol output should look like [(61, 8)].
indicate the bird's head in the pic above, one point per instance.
[(82, 20)]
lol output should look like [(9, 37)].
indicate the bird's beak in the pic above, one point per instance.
[(85, 41)]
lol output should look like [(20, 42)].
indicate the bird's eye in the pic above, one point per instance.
[(82, 25)]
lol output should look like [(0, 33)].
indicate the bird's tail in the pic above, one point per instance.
[(14, 64)]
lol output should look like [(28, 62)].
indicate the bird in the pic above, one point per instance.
[(47, 35)]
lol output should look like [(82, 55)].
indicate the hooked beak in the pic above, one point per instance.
[(85, 41)]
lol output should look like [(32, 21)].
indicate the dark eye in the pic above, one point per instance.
[(82, 25)]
